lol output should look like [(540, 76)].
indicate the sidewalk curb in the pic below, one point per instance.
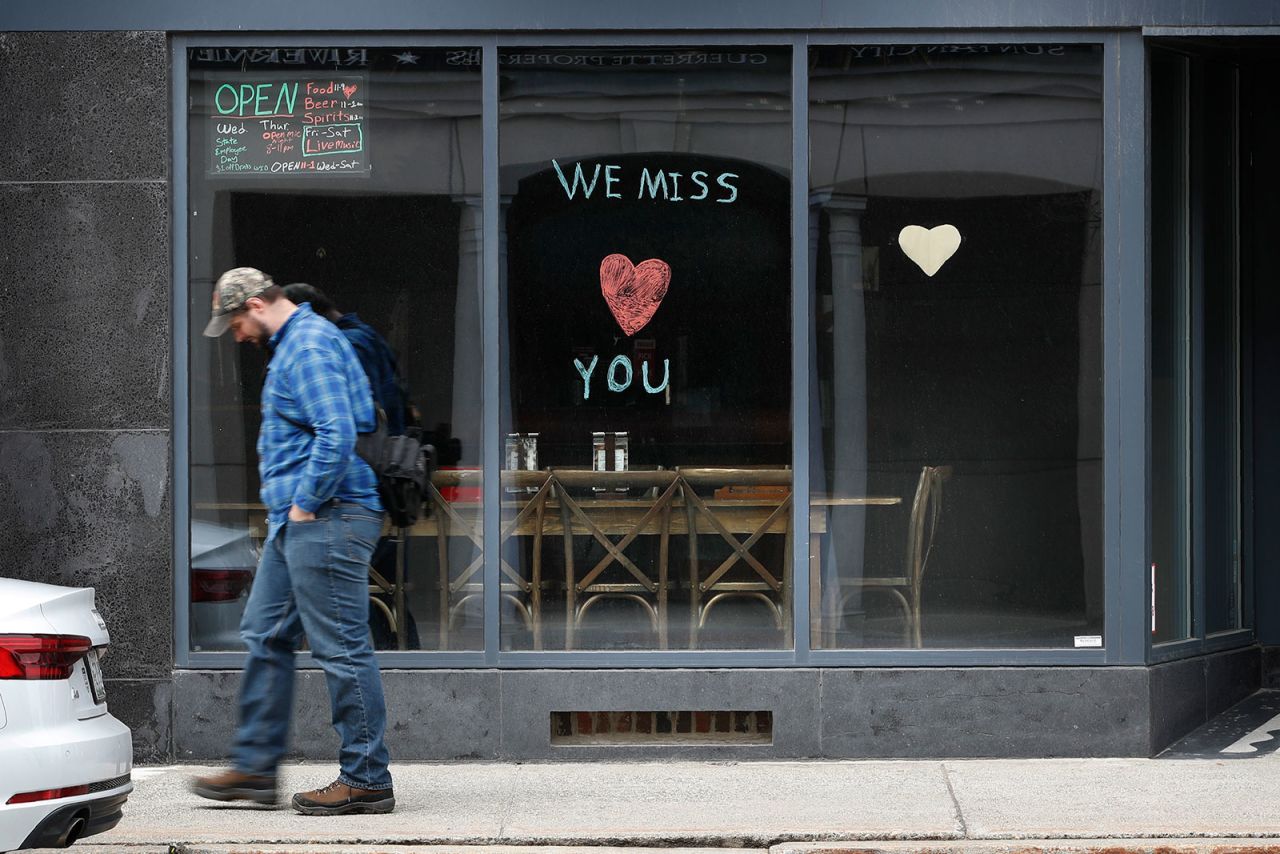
[(1181, 845), (1110, 845)]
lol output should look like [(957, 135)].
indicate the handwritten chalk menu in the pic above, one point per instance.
[(289, 126)]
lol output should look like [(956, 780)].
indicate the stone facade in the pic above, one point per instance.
[(85, 294)]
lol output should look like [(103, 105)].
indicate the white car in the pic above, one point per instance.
[(66, 762), (223, 561)]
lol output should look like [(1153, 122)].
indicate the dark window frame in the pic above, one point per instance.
[(1124, 356)]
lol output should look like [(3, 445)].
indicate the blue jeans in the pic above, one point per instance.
[(313, 578)]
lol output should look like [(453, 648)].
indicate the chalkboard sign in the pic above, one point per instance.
[(288, 126)]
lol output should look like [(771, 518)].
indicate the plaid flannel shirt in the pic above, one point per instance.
[(313, 379)]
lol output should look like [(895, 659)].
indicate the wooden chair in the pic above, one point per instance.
[(593, 518), (769, 587), (524, 594), (922, 529)]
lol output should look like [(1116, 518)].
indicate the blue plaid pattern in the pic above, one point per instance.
[(314, 379)]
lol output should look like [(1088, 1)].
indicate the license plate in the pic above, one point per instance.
[(96, 682)]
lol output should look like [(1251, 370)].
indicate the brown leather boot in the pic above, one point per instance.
[(232, 785), (338, 798)]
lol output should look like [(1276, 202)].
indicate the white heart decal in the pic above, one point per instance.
[(930, 248)]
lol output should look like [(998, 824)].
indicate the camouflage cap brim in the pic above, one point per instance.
[(218, 325)]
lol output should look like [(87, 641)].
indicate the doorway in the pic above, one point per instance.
[(1214, 212)]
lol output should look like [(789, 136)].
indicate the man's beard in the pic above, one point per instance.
[(259, 338)]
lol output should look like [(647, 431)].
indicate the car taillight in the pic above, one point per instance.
[(41, 656), (48, 795), (219, 585)]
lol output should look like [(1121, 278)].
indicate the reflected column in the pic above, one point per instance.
[(1089, 438), (848, 403), (468, 377), (465, 413)]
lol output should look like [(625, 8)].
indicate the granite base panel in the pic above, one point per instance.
[(146, 707), (1271, 667), (1189, 692), (836, 713)]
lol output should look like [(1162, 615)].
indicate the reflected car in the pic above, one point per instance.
[(67, 763), (223, 561)]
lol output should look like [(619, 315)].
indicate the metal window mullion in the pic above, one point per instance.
[(1126, 356), (180, 426), (1244, 305), (1237, 479), (1196, 305), (491, 356), (1187, 483), (801, 329), (1187, 538)]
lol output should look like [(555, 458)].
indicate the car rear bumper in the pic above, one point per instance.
[(79, 819), (97, 752), (67, 753)]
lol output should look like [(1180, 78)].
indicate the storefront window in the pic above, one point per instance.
[(1171, 481), (645, 371), (956, 243), (1215, 147), (1196, 346), (357, 171)]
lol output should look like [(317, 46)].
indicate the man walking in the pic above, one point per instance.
[(323, 519)]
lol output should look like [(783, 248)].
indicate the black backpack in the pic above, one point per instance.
[(404, 465)]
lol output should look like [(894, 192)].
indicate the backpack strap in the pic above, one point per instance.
[(368, 445)]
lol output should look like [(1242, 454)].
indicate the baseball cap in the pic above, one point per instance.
[(234, 287)]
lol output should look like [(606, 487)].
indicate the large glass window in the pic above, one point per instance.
[(1216, 90), (645, 371), (1196, 345), (1171, 482), (644, 221), (956, 243), (357, 171)]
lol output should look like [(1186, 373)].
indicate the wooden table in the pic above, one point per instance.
[(559, 503)]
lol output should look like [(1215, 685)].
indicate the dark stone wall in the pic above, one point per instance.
[(1271, 668), (919, 713), (833, 713), (85, 485)]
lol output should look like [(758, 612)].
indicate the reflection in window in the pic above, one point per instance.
[(356, 171), (646, 353), (956, 239)]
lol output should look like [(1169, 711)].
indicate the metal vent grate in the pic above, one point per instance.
[(675, 728)]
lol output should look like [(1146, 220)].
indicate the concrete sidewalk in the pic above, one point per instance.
[(978, 805)]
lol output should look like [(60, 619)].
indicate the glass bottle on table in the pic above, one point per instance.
[(529, 449), (620, 455), (599, 456)]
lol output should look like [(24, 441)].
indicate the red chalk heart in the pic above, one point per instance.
[(633, 292), (348, 91)]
